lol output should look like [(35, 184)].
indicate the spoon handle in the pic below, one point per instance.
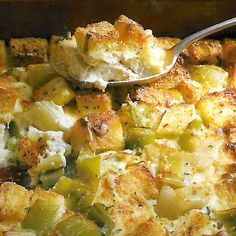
[(203, 33)]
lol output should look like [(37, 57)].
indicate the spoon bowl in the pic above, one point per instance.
[(174, 52)]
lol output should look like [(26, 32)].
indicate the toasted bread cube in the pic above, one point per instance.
[(8, 99), (229, 51), (99, 132), (39, 74), (14, 202), (3, 57), (64, 57), (126, 49), (204, 51), (92, 102), (129, 30), (191, 90), (56, 90), (146, 186), (218, 109), (93, 36), (150, 227), (202, 222), (128, 197), (22, 89), (232, 77), (172, 79), (30, 151), (175, 120), (25, 51), (153, 96)]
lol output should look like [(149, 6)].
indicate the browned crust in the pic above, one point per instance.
[(30, 151), (98, 131), (204, 51), (29, 47), (228, 94), (14, 201), (172, 79), (129, 30), (229, 51), (153, 96), (8, 97), (92, 102)]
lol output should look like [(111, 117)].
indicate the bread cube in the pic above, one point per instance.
[(175, 120), (14, 201), (95, 35), (191, 90), (229, 52), (91, 102), (172, 79), (26, 51), (232, 77), (3, 57), (99, 132), (30, 151), (204, 52), (155, 97), (218, 109), (8, 99), (56, 90)]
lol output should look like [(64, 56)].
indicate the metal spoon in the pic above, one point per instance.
[(175, 51)]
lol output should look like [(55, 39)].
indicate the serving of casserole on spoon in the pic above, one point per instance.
[(124, 53)]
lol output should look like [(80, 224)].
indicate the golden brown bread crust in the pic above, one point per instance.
[(128, 197), (218, 109), (123, 30), (30, 151), (90, 102), (191, 90), (25, 51), (192, 223), (99, 132), (88, 37), (204, 51), (172, 79), (8, 97), (130, 30), (149, 228), (232, 77), (14, 202), (155, 97), (229, 52)]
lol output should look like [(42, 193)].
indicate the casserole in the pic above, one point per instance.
[(156, 159)]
